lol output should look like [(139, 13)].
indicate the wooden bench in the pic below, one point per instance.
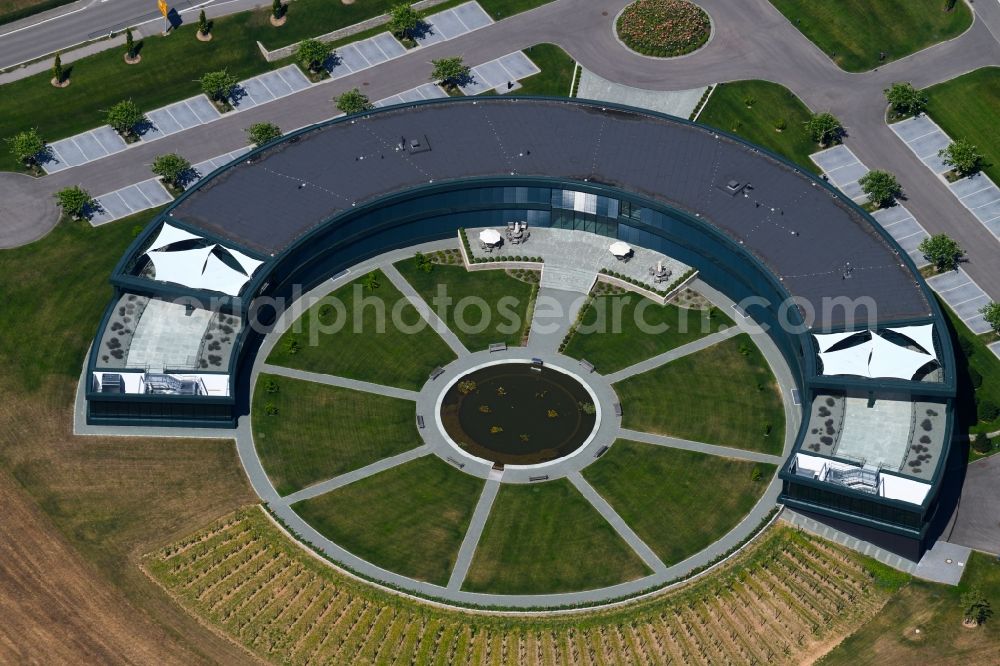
[(498, 347), (544, 477), (586, 365), (460, 465), (420, 421), (618, 409), (436, 372), (601, 451)]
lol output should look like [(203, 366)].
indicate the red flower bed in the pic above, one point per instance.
[(664, 28)]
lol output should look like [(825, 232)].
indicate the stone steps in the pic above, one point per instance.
[(567, 278)]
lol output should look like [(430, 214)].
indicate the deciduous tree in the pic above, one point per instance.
[(353, 101), (881, 187)]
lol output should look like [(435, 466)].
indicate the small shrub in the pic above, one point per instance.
[(987, 410), (271, 386), (982, 444), (975, 378), (292, 345), (270, 409), (781, 124)]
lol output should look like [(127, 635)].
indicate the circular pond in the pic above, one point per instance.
[(518, 413)]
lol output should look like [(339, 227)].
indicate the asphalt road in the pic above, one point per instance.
[(82, 21), (752, 40)]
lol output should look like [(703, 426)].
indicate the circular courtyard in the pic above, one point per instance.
[(491, 464)]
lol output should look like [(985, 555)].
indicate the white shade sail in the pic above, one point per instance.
[(220, 277), (828, 340), (249, 264), (850, 361), (922, 335), (180, 267), (202, 268), (489, 236), (872, 358), (169, 234), (891, 360), (620, 249)]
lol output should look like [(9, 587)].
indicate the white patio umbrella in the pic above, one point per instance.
[(620, 249), (489, 236)]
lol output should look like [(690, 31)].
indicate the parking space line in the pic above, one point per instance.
[(977, 296), (966, 196), (266, 87), (380, 49), (958, 286), (464, 24), (988, 203), (174, 118), (918, 137)]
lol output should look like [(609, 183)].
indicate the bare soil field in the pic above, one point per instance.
[(77, 513)]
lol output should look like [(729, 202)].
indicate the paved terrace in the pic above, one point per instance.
[(567, 254)]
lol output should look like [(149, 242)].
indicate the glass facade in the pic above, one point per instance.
[(439, 210)]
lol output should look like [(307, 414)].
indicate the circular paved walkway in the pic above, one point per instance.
[(569, 468)]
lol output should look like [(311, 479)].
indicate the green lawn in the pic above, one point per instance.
[(410, 519), (726, 109), (54, 293), (15, 10), (546, 537), (333, 340), (323, 431), (678, 502), (468, 290), (167, 73), (892, 637), (967, 107), (854, 32), (971, 352), (171, 65), (722, 395), (611, 346), (557, 72)]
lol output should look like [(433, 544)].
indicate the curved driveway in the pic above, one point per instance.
[(753, 40)]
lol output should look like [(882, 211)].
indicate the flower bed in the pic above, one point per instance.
[(664, 28)]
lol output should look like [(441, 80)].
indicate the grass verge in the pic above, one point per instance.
[(770, 104), (410, 519), (722, 395), (855, 32), (967, 107), (972, 357), (678, 502), (546, 537), (96, 502), (922, 624), (319, 431)]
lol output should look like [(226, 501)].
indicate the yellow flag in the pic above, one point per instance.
[(163, 7)]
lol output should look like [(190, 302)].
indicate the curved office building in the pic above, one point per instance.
[(867, 344)]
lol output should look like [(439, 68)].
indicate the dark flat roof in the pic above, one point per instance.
[(806, 240)]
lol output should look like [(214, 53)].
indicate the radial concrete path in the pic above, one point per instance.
[(608, 430), (752, 41)]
